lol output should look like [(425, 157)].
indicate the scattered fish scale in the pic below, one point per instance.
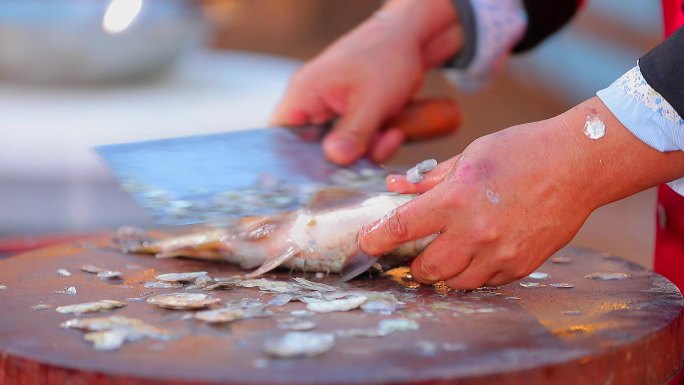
[(563, 285), (220, 315), (343, 304), (314, 286), (107, 339), (384, 327), (225, 315), (532, 284), (3, 287), (539, 275), (181, 277), (41, 306), (218, 283), (91, 307), (101, 272), (183, 301), (204, 280), (63, 273), (163, 285), (299, 344), (110, 333), (417, 172), (270, 286), (297, 323), (607, 276), (109, 274), (92, 269), (381, 303), (244, 303), (301, 313), (280, 300), (71, 290), (98, 323), (139, 298)]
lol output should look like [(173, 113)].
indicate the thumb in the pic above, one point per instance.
[(351, 136)]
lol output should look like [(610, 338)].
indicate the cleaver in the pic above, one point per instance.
[(216, 178)]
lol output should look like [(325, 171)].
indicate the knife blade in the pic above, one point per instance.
[(261, 171)]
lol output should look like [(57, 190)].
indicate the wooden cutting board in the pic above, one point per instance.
[(625, 332)]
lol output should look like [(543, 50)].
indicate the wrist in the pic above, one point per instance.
[(616, 165), (418, 20)]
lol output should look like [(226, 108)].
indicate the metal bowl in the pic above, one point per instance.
[(72, 41)]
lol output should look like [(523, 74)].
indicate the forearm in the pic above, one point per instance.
[(418, 20), (614, 166), (431, 27)]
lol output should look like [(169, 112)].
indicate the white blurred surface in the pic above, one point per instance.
[(51, 178), (49, 132)]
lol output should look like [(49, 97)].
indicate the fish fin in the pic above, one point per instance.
[(274, 262), (332, 197), (355, 265)]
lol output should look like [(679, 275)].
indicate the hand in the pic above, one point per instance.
[(513, 198), (368, 76)]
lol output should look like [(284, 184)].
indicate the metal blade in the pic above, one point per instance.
[(213, 177)]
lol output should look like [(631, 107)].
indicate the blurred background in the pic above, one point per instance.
[(77, 73)]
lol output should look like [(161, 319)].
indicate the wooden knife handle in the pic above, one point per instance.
[(428, 118)]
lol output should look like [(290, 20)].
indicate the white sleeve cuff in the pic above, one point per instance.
[(646, 114), (500, 24)]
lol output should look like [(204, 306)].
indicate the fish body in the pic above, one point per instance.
[(319, 237)]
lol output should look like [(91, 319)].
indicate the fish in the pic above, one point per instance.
[(320, 237)]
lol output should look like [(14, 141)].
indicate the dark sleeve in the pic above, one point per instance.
[(663, 69), (544, 17)]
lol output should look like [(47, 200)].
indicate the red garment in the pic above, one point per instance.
[(673, 12), (669, 250)]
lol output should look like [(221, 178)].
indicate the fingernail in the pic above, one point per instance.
[(364, 233)]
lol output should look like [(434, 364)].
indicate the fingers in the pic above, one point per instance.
[(398, 183), (301, 106), (414, 220), (352, 134), (386, 144), (477, 274), (439, 261), (500, 278)]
